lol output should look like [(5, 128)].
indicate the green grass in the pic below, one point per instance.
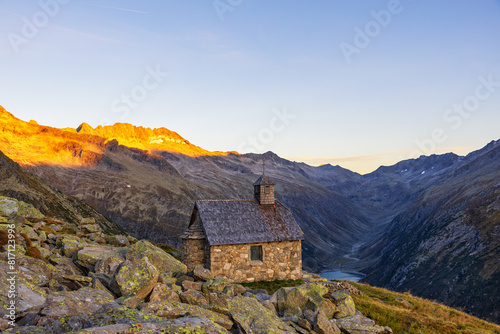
[(420, 316), (272, 286)]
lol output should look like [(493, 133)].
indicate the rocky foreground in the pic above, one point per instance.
[(76, 279)]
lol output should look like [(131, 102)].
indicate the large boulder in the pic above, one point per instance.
[(163, 261), (8, 206), (216, 285), (70, 244), (323, 326), (29, 298), (252, 317), (108, 265), (202, 274), (35, 271), (359, 324), (162, 292), (293, 301), (72, 303), (172, 310), (344, 304), (136, 276), (64, 265), (88, 257)]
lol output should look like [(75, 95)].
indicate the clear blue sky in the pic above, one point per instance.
[(360, 88)]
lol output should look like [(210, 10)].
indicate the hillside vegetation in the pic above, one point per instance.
[(405, 313)]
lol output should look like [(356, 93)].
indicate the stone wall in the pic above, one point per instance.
[(265, 194), (281, 260), (193, 252)]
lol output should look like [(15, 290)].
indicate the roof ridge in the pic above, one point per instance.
[(225, 200)]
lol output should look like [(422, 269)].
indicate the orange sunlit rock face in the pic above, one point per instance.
[(29, 143)]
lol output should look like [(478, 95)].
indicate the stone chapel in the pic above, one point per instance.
[(245, 240)]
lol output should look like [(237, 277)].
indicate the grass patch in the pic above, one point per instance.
[(405, 313), (272, 286)]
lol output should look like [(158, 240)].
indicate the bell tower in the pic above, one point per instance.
[(263, 190)]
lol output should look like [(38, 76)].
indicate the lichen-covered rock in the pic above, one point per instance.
[(71, 303), (162, 292), (108, 265), (28, 230), (252, 317), (64, 265), (174, 326), (30, 330), (193, 297), (328, 308), (188, 285), (345, 306), (12, 207), (236, 289), (163, 261), (107, 314), (35, 271), (92, 228), (8, 206), (138, 276), (44, 252), (30, 298), (129, 300), (172, 310), (117, 240), (323, 326), (359, 324), (97, 284), (70, 244), (170, 282), (88, 257), (306, 296), (216, 285), (88, 225), (202, 274), (75, 282), (218, 299), (29, 211)]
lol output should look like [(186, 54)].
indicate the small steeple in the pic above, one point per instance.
[(264, 190)]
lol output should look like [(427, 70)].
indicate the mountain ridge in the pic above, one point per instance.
[(84, 146)]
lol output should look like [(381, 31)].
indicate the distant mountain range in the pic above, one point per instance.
[(429, 225)]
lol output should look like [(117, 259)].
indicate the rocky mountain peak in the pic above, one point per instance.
[(84, 128)]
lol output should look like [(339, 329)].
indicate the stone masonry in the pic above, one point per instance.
[(281, 260), (193, 252), (265, 194)]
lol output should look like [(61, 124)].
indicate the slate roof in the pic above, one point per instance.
[(244, 221), (264, 180)]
